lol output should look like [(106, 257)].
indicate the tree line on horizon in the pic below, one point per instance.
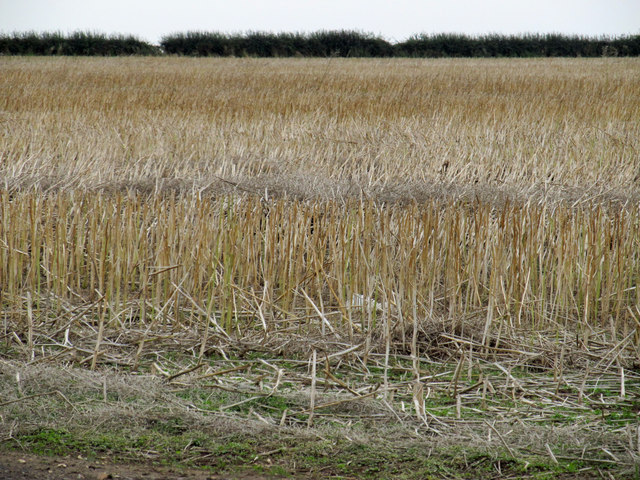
[(325, 43), (74, 44)]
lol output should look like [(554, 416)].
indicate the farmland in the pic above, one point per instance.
[(362, 259)]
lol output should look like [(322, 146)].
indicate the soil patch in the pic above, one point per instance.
[(18, 466)]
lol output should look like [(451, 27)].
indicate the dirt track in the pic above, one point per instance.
[(18, 466)]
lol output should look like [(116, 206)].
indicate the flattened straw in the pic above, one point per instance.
[(312, 401), (322, 316), (484, 394), (582, 385), (35, 395), (456, 375), (414, 337), (506, 445), (96, 351), (279, 375), (553, 457), (165, 269), (344, 352), (331, 376), (211, 318), (488, 347), (225, 371), (78, 315), (32, 352), (387, 350), (259, 305), (184, 372), (340, 402), (20, 385), (241, 402)]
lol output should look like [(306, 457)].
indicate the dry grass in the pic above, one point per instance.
[(517, 180), (386, 214), (522, 124)]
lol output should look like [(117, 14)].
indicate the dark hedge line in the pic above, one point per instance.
[(78, 43), (341, 43), (549, 45), (348, 43), (260, 44)]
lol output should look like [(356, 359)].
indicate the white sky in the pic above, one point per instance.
[(393, 19)]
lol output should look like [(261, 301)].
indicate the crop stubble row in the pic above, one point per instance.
[(530, 266), (80, 136)]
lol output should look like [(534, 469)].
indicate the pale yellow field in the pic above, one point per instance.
[(333, 267), (336, 126), (342, 196)]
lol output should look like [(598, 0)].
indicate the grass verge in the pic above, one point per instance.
[(254, 421)]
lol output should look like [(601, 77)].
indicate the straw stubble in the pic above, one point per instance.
[(358, 197)]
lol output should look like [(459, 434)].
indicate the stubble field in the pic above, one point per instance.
[(323, 267)]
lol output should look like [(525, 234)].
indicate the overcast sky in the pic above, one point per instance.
[(393, 19)]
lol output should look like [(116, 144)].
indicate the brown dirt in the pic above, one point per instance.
[(20, 466)]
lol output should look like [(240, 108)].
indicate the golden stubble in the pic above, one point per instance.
[(79, 136), (89, 122)]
